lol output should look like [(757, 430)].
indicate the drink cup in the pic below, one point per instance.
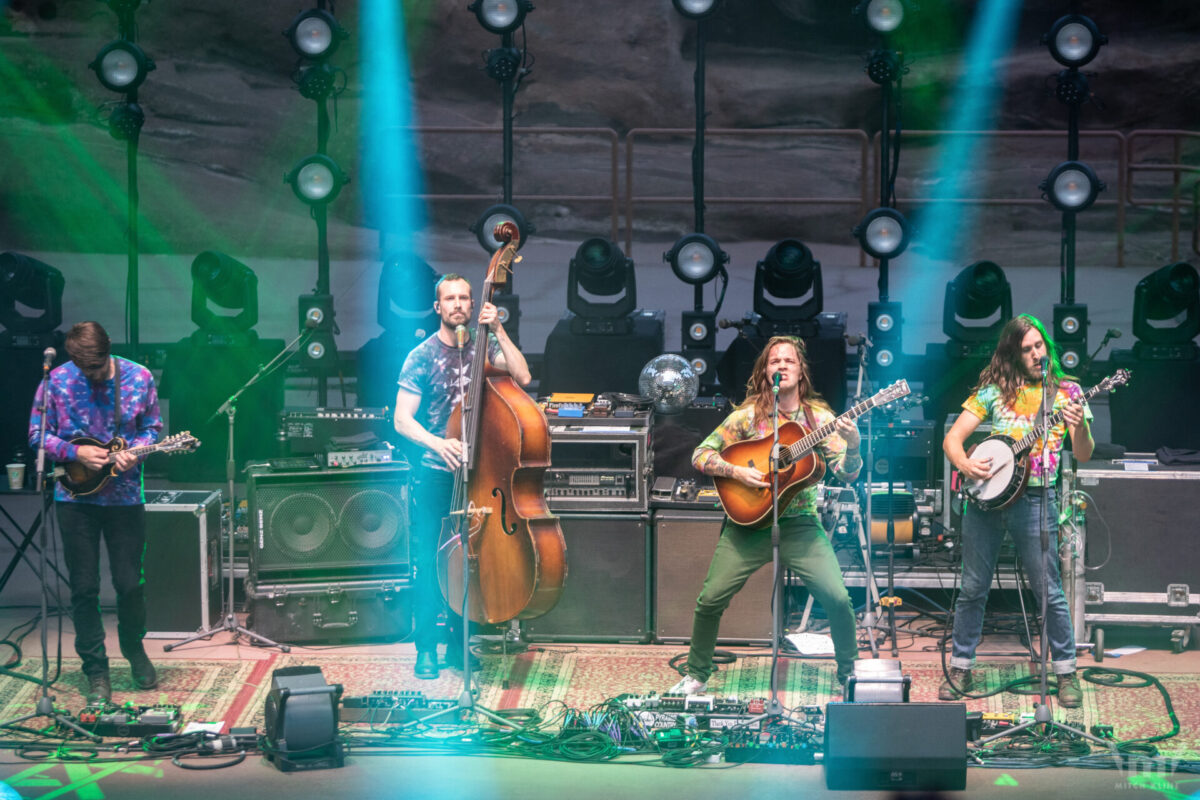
[(16, 476)]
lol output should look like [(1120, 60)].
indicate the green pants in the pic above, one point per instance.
[(805, 550)]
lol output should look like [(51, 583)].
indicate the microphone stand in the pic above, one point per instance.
[(229, 621), (1041, 712), (873, 602), (45, 703)]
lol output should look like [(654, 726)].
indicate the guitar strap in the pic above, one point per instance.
[(116, 397)]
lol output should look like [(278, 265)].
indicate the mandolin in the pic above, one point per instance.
[(80, 480)]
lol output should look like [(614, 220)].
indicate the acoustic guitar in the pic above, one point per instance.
[(80, 480), (798, 463), (1010, 457)]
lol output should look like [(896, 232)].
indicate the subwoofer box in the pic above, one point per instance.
[(896, 746), (607, 593), (328, 524), (683, 546)]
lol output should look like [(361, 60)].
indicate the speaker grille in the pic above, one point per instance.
[(330, 524)]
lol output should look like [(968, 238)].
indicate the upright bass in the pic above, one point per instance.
[(514, 546)]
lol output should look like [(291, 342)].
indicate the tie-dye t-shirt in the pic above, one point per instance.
[(78, 407), (742, 425), (1023, 416), (432, 370)]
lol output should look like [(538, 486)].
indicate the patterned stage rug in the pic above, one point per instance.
[(203, 689), (581, 678)]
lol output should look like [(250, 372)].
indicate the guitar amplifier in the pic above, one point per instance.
[(305, 431)]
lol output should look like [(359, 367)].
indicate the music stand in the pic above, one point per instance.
[(229, 621), (45, 703)]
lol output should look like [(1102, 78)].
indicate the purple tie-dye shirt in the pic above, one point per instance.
[(78, 407)]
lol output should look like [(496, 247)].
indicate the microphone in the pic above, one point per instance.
[(731, 323), (460, 335), (1045, 362), (856, 341), (314, 317), (48, 357), (1112, 333), (775, 383)]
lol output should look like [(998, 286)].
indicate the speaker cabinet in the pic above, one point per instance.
[(896, 746), (683, 546), (607, 593), (328, 524), (181, 562)]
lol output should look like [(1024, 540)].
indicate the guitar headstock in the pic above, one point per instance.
[(894, 392), (182, 442), (1118, 378)]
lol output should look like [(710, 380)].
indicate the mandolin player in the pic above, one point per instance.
[(101, 396), (1009, 396)]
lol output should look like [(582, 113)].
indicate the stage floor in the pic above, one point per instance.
[(224, 680)]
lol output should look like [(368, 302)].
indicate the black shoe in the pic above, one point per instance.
[(960, 681), (144, 674), (99, 689), (427, 667)]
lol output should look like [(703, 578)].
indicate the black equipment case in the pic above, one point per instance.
[(334, 612)]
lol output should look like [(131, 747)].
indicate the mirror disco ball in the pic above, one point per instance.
[(670, 382)]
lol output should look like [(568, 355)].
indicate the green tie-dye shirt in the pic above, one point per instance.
[(1023, 416)]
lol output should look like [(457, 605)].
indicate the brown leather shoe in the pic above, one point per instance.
[(1070, 693), (960, 681), (99, 689)]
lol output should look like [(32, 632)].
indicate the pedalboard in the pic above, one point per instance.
[(130, 721), (390, 707)]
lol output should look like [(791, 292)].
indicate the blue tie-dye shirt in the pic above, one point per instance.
[(78, 407)]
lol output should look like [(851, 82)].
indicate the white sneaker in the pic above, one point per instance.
[(689, 685)]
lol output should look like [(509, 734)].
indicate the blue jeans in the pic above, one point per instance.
[(983, 533)]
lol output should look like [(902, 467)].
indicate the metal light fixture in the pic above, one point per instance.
[(883, 66), (788, 271), (121, 66), (317, 179), (977, 305), (601, 270), (1070, 333), (1166, 310), (35, 286), (883, 233), (228, 284), (496, 215), (1071, 186), (1071, 88), (315, 313), (501, 16), (696, 259), (126, 121), (696, 9), (1074, 40), (884, 329), (882, 16), (315, 34)]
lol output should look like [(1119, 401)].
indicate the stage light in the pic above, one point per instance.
[(1070, 333), (1071, 186), (1074, 40), (696, 259), (885, 331), (300, 720), (33, 285), (883, 66), (315, 34), (601, 270), (126, 122), (317, 179), (501, 16), (228, 284), (1166, 312), (317, 81), (882, 16), (883, 233), (1072, 87), (695, 9), (981, 294), (121, 66), (406, 286), (485, 227), (315, 313), (789, 271), (503, 63)]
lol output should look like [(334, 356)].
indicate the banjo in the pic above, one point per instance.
[(1010, 456)]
